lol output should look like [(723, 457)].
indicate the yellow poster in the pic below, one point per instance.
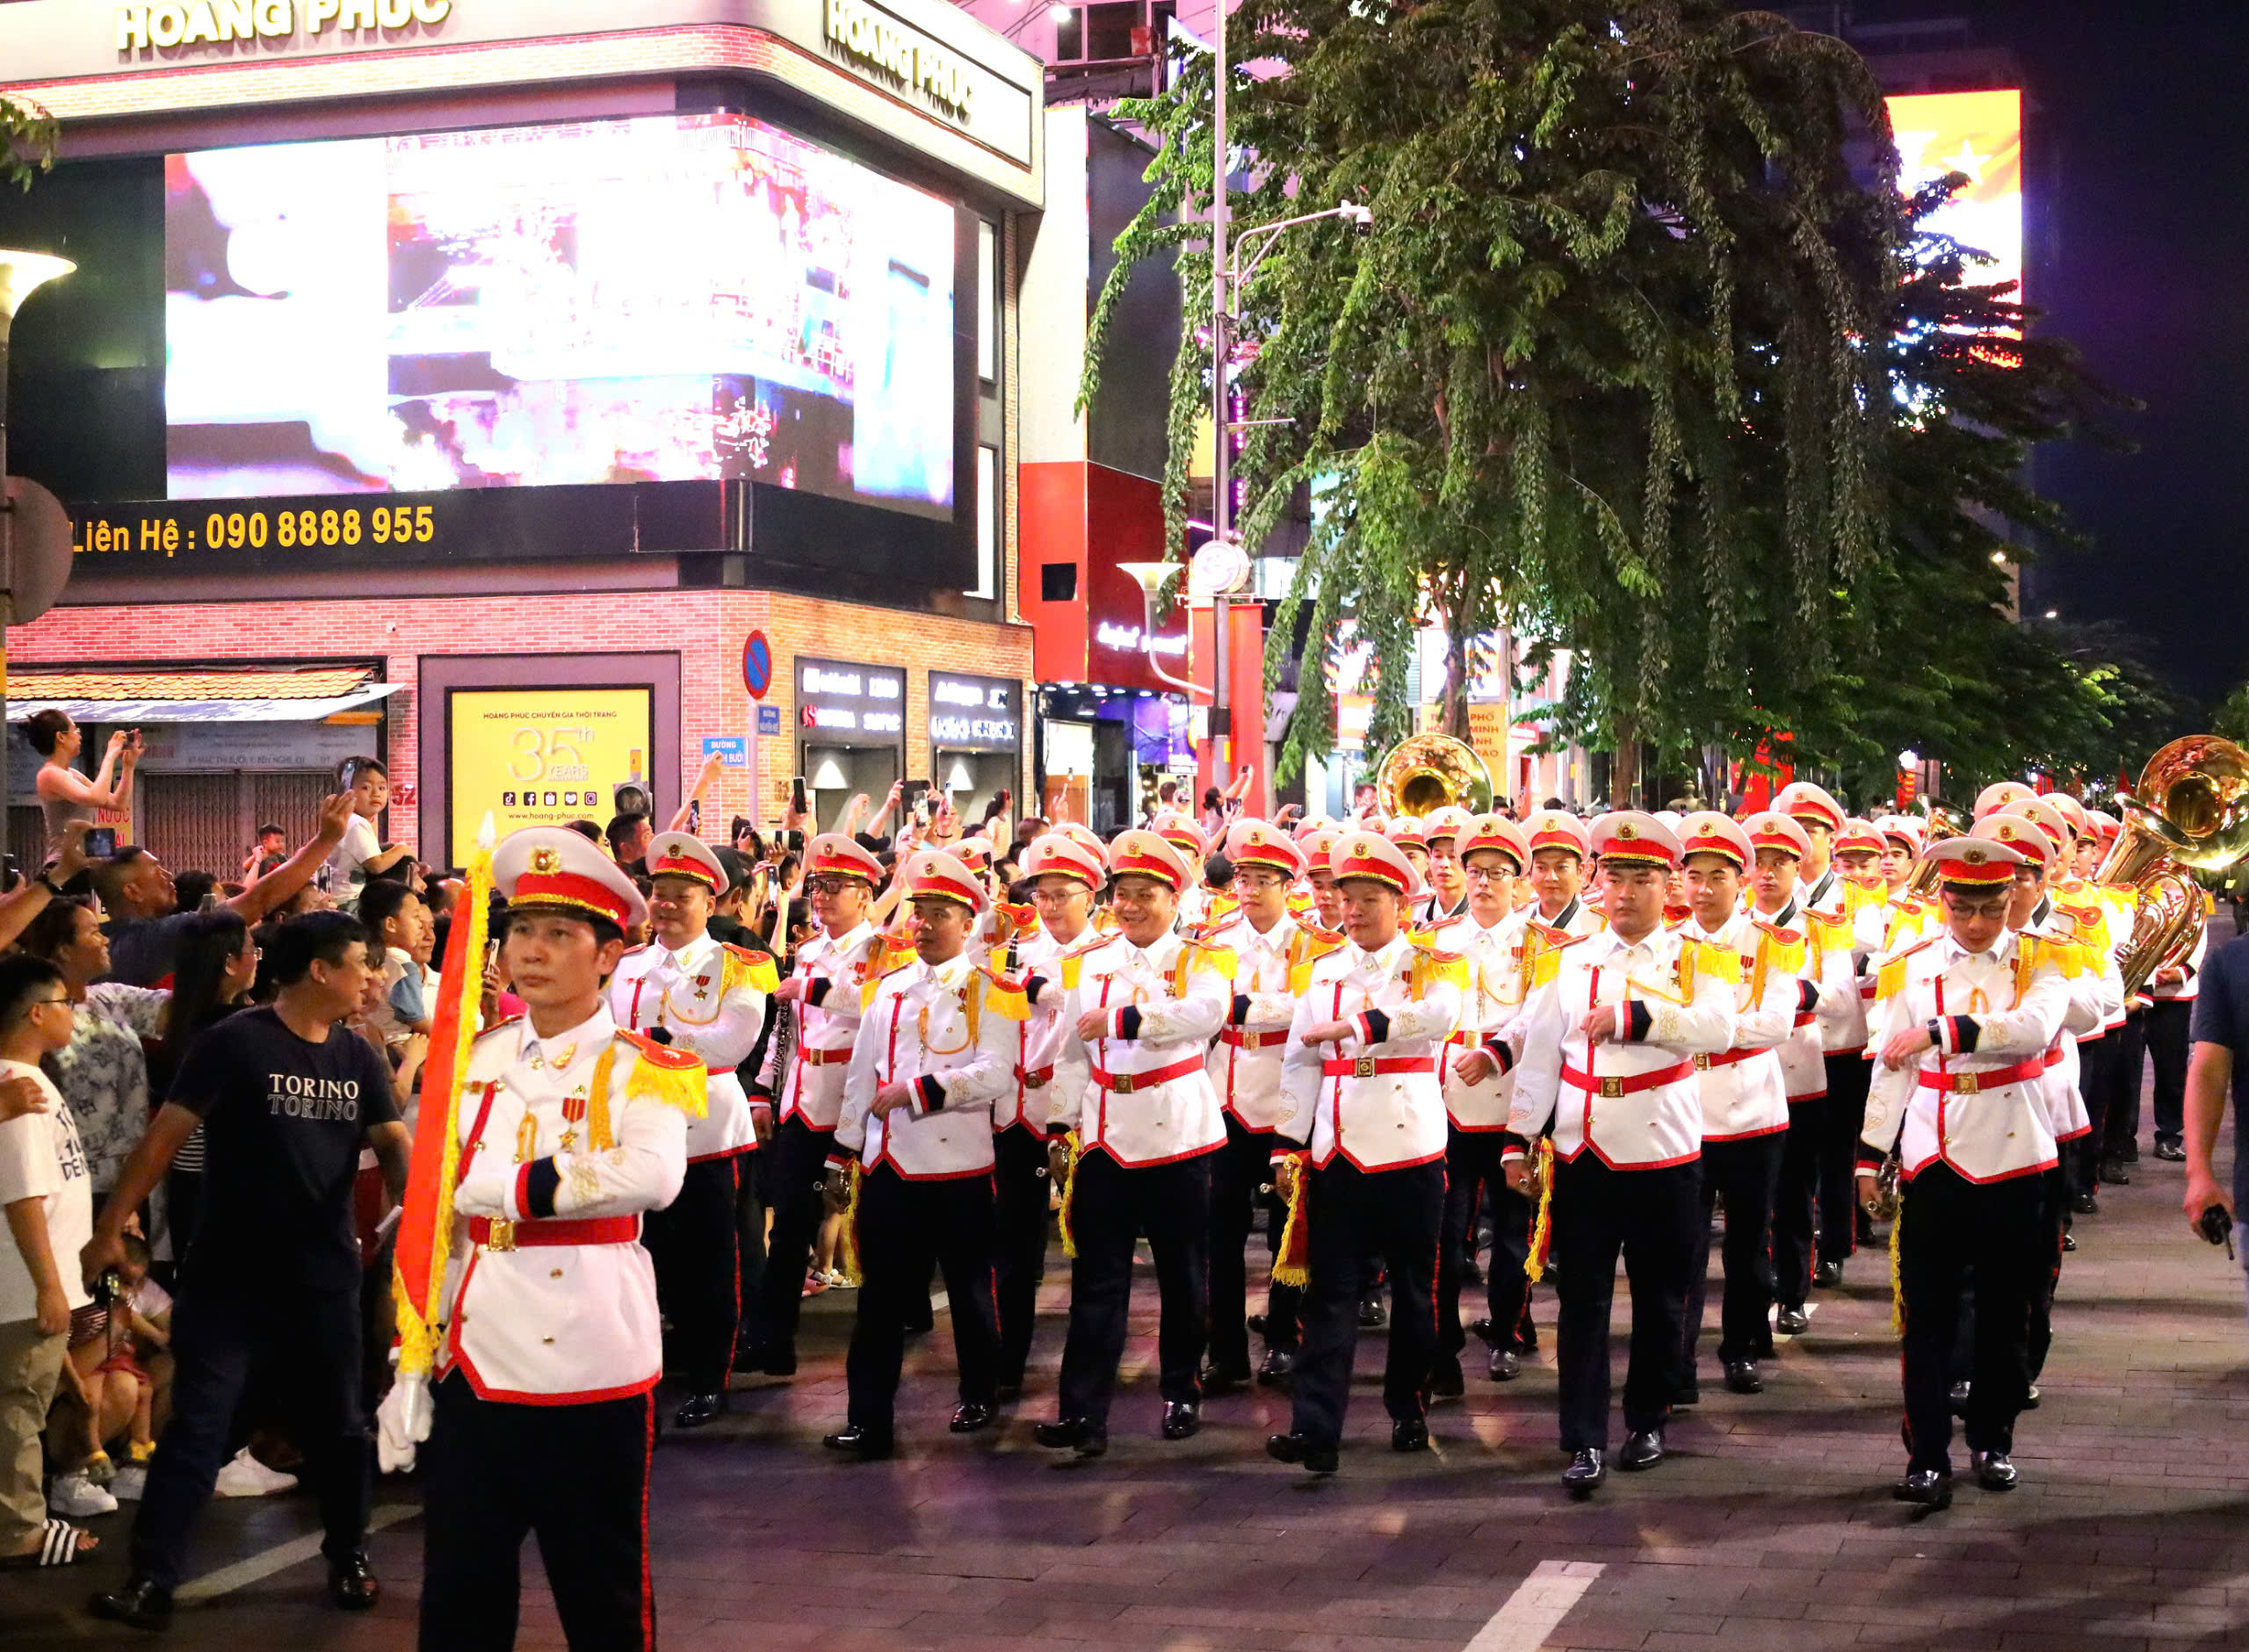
[(543, 756)]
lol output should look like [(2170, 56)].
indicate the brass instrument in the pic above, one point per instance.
[(1424, 773), (2190, 813), (1942, 824)]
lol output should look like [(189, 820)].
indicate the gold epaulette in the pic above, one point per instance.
[(1431, 966), (500, 1026), (1890, 976), (660, 1073), (1781, 948), (1827, 925), (1546, 963), (745, 966), (1723, 961), (1004, 997), (1311, 945), (881, 967), (1201, 955)]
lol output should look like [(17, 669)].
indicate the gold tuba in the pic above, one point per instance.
[(1424, 773), (1942, 824), (2190, 811)]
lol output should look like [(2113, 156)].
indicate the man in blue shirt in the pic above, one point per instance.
[(2220, 1059)]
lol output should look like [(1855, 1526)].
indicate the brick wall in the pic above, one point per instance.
[(705, 628)]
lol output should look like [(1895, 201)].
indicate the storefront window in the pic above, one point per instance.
[(975, 739), (851, 734)]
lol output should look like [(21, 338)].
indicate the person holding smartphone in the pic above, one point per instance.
[(64, 794)]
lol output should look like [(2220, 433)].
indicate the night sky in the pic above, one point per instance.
[(2137, 119)]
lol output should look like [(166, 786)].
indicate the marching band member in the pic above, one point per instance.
[(1273, 958), (1744, 1101), (1142, 1009), (687, 990), (1494, 853), (1782, 845), (1409, 835), (1901, 838), (1966, 1021), (937, 1046), (831, 968), (1609, 1038), (1826, 900), (1448, 881), (1065, 876), (1186, 837), (1558, 915), (571, 1128), (1326, 900), (1361, 1088)]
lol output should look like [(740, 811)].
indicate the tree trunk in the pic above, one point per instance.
[(1624, 773), (1452, 714)]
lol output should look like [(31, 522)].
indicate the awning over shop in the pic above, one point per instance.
[(244, 695)]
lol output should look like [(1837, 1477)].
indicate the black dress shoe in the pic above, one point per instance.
[(1792, 1322), (1371, 1316), (971, 1415), (1743, 1377), (1256, 1324), (1687, 1393), (1505, 1367), (1484, 1330), (1827, 1275), (1006, 1393), (1318, 1457), (140, 1603), (1216, 1381), (2113, 1172), (2169, 1150), (698, 1410), (1643, 1450), (1446, 1382), (860, 1442), (2069, 1242), (1586, 1471), (2085, 1204), (1279, 1364), (1994, 1472), (1181, 1419), (920, 1324), (766, 1359), (2030, 1398), (352, 1582), (1931, 1487), (1079, 1434), (1409, 1434), (1956, 1398)]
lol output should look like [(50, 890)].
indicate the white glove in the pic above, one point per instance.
[(401, 1423), (485, 1192)]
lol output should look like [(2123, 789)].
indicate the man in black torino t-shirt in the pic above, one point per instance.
[(286, 1096)]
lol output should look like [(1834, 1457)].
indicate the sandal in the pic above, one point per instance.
[(59, 1545)]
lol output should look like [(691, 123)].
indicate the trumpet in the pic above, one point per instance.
[(1942, 824), (2190, 813)]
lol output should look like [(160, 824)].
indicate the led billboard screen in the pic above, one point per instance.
[(1979, 134), (665, 298)]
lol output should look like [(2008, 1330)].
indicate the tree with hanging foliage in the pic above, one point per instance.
[(1597, 370), (27, 134)]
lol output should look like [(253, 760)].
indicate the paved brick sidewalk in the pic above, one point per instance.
[(1771, 1526)]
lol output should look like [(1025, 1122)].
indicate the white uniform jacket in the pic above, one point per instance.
[(550, 1299), (1374, 1097), (1140, 1092), (1038, 1035), (1636, 1101), (951, 1031), (2095, 988), (712, 999), (1825, 969), (1977, 1100), (1270, 970), (1826, 924), (836, 971), (1491, 996), (1743, 1092)]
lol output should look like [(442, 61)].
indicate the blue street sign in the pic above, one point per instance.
[(733, 750), (768, 719)]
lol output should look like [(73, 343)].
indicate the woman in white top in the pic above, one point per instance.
[(64, 794), (361, 855)]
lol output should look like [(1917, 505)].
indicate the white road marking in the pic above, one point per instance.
[(1537, 1607), (279, 1558)]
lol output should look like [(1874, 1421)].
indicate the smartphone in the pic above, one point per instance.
[(797, 793), (101, 842), (695, 816)]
